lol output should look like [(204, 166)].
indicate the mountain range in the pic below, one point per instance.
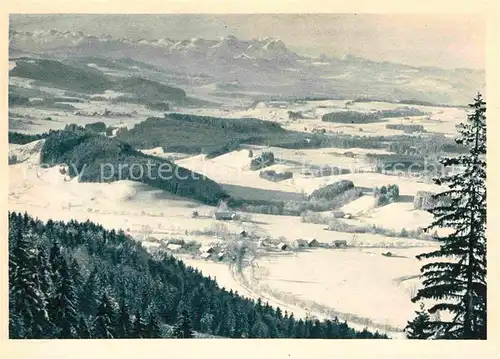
[(230, 67)]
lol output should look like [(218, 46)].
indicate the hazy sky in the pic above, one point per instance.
[(448, 41)]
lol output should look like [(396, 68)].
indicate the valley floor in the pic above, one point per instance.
[(356, 284)]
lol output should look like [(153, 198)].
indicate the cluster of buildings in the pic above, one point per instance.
[(303, 243)]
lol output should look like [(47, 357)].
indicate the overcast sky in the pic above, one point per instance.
[(421, 40)]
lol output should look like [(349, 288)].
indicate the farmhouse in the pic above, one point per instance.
[(207, 249), (300, 243), (283, 246), (176, 241), (313, 243), (225, 216), (263, 242), (223, 212), (340, 243), (338, 214), (205, 255), (174, 247)]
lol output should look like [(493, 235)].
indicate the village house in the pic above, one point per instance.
[(174, 247), (340, 243), (338, 214), (176, 241), (263, 242), (223, 212), (220, 255), (300, 243), (283, 246), (207, 249), (224, 215), (313, 243), (205, 255)]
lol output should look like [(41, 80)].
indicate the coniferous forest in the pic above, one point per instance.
[(78, 280)]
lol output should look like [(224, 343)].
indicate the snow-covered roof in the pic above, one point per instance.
[(174, 247)]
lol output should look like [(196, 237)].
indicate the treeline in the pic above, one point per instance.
[(369, 117), (330, 191), (404, 102), (215, 136), (78, 280), (96, 158), (386, 194), (407, 128), (202, 134), (23, 138)]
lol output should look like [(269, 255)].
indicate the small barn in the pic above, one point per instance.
[(223, 212), (300, 243), (313, 243), (224, 215), (263, 242), (283, 246), (174, 247), (244, 234), (220, 255), (207, 249), (338, 214), (205, 255), (176, 241), (340, 243)]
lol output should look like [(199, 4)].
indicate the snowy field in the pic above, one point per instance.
[(357, 284)]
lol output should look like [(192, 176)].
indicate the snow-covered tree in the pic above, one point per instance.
[(138, 326), (105, 318), (65, 308), (183, 328), (27, 301), (456, 280)]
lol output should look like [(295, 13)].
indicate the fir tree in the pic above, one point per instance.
[(226, 326), (458, 282), (241, 327), (65, 305), (300, 329), (182, 328), (124, 324), (138, 326), (56, 262), (83, 329), (27, 300), (103, 324), (44, 271), (88, 294), (419, 327), (290, 330), (153, 329), (76, 276), (259, 330), (206, 323)]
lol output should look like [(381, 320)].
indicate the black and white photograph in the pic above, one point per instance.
[(247, 176)]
